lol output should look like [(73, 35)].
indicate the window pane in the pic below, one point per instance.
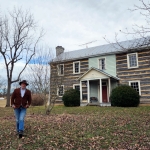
[(102, 64), (77, 87), (61, 69), (132, 60), (135, 85), (61, 91), (76, 67)]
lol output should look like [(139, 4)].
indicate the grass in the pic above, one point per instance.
[(2, 103), (78, 128)]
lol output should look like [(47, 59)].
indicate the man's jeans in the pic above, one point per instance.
[(20, 115)]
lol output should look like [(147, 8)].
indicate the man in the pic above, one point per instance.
[(20, 101)]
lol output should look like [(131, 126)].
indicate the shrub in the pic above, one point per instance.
[(124, 96), (71, 98), (37, 100)]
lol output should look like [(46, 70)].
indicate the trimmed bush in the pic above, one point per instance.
[(124, 96), (71, 98), (37, 101)]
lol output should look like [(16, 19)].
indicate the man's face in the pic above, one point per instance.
[(23, 85)]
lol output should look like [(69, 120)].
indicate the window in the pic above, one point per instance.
[(61, 69), (76, 86), (102, 64), (104, 84), (132, 60), (136, 86), (60, 91), (76, 67)]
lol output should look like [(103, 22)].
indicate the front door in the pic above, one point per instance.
[(104, 94)]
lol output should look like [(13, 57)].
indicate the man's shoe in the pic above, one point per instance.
[(20, 134)]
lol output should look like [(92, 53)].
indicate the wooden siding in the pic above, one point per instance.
[(69, 78), (142, 73), (110, 63)]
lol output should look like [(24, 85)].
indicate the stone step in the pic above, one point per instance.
[(105, 104), (95, 104)]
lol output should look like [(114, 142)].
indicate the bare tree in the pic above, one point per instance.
[(38, 74), (43, 74), (140, 33), (56, 79), (18, 42), (2, 82), (2, 86)]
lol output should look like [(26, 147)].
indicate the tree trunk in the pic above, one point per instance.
[(8, 94)]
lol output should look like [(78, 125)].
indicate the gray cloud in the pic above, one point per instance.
[(70, 23)]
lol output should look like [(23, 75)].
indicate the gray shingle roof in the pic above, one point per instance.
[(112, 48)]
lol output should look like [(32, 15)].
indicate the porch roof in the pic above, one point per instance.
[(99, 70)]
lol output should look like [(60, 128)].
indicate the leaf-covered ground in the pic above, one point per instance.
[(78, 128)]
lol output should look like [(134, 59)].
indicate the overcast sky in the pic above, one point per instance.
[(70, 23)]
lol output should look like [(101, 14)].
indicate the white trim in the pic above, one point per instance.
[(58, 67), (109, 88), (80, 91), (75, 85), (92, 68), (128, 64), (98, 88), (94, 78), (88, 91), (100, 85), (58, 90), (74, 67), (138, 85), (99, 62)]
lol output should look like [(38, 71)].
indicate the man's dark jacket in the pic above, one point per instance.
[(18, 101)]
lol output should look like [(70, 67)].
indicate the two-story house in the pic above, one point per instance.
[(96, 71)]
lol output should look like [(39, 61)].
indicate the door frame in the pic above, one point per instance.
[(101, 90), (106, 93)]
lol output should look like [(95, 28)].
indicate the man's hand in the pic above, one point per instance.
[(13, 106), (27, 106)]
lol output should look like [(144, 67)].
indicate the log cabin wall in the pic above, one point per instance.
[(142, 73), (69, 78)]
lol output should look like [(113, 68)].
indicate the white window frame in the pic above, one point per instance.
[(58, 91), (58, 66), (128, 62), (138, 84), (99, 62), (74, 67), (76, 85)]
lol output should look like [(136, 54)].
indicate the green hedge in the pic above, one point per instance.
[(124, 96), (71, 98)]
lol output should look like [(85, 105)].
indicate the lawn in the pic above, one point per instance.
[(78, 128), (2, 103)]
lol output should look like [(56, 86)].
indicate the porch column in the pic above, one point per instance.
[(88, 91), (80, 91), (109, 88), (100, 87)]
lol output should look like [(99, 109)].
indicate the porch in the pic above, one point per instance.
[(95, 88)]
